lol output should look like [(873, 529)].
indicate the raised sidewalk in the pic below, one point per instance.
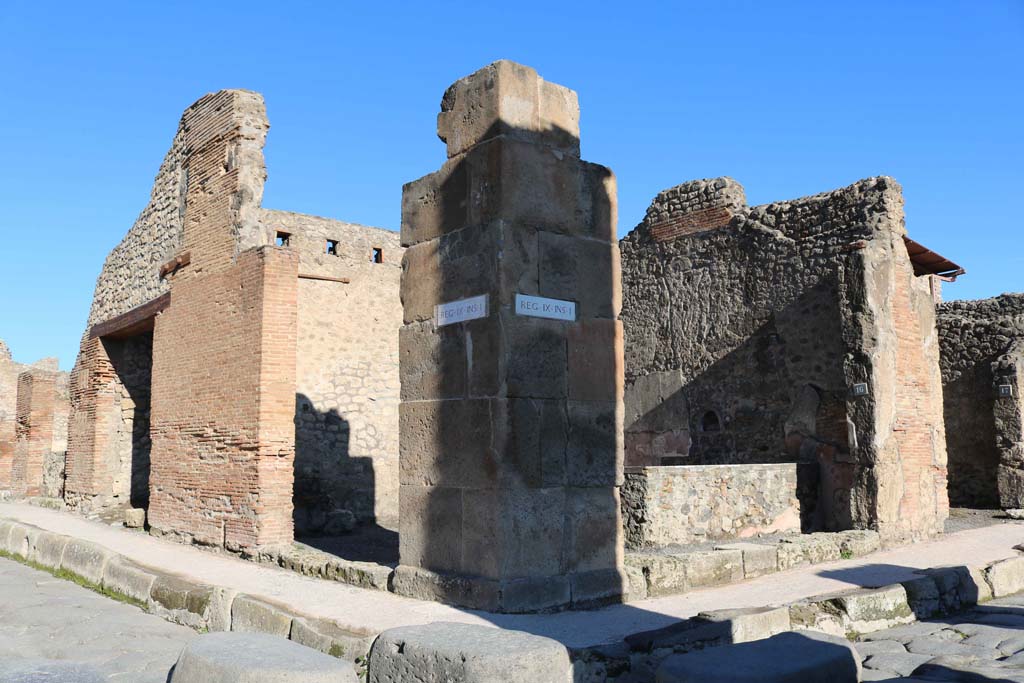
[(368, 612)]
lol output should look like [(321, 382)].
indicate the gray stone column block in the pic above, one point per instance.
[(256, 658), (511, 416), (442, 652), (804, 656)]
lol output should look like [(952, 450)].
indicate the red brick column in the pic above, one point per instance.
[(7, 440), (94, 404), (34, 430), (223, 404)]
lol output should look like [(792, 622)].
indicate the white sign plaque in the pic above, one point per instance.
[(542, 307), (460, 311)]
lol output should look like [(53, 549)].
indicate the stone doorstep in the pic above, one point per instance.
[(655, 574), (177, 598)]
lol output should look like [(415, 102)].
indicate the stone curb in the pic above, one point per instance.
[(175, 598), (936, 591), (653, 574)]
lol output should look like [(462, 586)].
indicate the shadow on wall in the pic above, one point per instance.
[(333, 498), (973, 459), (768, 400), (132, 360)]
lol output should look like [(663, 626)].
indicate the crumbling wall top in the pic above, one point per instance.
[(978, 331), (1005, 305), (5, 353), (853, 212), (505, 98)]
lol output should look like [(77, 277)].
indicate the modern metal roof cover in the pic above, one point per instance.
[(927, 262)]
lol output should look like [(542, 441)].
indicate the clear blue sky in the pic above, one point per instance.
[(789, 98)]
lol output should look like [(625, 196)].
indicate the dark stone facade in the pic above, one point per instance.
[(982, 344), (750, 332)]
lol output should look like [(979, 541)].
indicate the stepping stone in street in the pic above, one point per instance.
[(792, 657), (14, 670), (256, 658)]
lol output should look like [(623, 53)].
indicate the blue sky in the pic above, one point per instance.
[(789, 98)]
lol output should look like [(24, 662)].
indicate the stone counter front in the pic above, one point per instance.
[(686, 504)]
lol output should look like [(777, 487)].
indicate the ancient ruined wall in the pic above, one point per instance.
[(734, 329), (1008, 371), (747, 329), (131, 272), (130, 278), (33, 430), (669, 505), (223, 375), (54, 459), (221, 463), (8, 406), (900, 480), (347, 391), (973, 336)]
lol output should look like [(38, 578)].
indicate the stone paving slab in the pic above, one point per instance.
[(370, 611), (53, 627)]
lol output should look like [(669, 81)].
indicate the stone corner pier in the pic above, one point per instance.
[(511, 357)]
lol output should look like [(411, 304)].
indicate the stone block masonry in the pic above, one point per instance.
[(789, 332), (982, 356), (511, 441)]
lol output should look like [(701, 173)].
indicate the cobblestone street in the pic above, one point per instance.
[(982, 645), (44, 618)]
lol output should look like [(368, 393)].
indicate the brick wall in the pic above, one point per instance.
[(9, 373), (222, 439), (694, 207), (95, 411), (222, 392), (33, 431), (917, 426), (223, 399), (900, 463)]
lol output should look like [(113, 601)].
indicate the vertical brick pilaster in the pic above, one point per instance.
[(94, 404), (34, 430), (223, 402)]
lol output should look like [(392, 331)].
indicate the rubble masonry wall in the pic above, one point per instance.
[(681, 505), (747, 327), (347, 391), (974, 337)]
